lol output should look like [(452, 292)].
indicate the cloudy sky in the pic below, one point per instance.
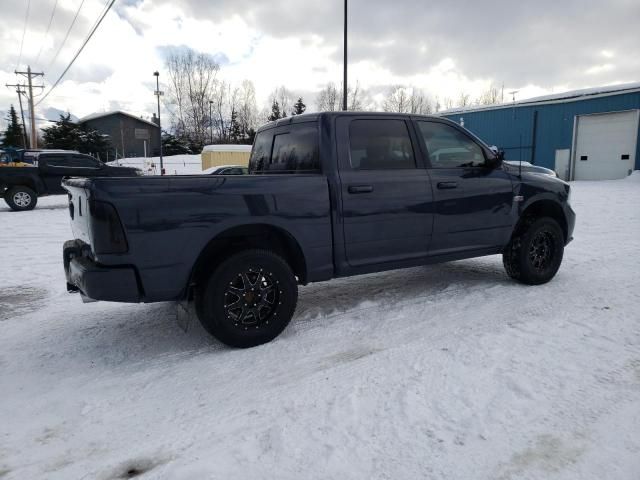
[(443, 47)]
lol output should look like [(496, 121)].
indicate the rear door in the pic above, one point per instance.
[(85, 166), (386, 195), (53, 167), (473, 202)]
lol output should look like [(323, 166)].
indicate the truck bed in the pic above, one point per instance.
[(169, 221)]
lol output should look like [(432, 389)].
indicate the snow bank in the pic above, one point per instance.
[(634, 177)]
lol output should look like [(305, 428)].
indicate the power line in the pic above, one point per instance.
[(24, 30), (55, 57), (53, 12), (93, 30)]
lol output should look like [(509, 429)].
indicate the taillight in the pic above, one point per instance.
[(107, 232)]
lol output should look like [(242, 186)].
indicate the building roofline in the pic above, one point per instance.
[(95, 116), (566, 97)]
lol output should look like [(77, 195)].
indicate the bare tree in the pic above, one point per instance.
[(407, 100), (464, 100), (192, 81), (438, 106), (491, 96), (222, 99), (448, 103), (357, 98), (247, 109), (328, 99)]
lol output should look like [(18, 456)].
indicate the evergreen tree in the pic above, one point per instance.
[(235, 131), (299, 107), (249, 137), (67, 135), (13, 135), (95, 143), (275, 112), (64, 134), (172, 145)]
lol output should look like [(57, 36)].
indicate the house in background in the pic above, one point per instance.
[(130, 136)]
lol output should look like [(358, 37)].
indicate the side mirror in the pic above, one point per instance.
[(498, 157)]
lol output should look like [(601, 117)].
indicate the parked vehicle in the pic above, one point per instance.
[(528, 167), (328, 195), (227, 170), (42, 175)]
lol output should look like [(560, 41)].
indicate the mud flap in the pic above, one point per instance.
[(184, 313)]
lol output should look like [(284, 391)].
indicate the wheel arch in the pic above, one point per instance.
[(243, 237), (545, 208)]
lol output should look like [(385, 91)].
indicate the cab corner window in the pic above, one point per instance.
[(380, 144), (450, 148)]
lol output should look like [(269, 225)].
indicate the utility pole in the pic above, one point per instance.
[(24, 126), (158, 93), (344, 80), (30, 75), (21, 92)]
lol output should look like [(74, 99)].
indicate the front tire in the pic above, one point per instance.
[(248, 299), (534, 254), (21, 198)]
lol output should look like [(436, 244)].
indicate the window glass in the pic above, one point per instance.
[(295, 151), (57, 160), (261, 151), (380, 145), (83, 161), (450, 148)]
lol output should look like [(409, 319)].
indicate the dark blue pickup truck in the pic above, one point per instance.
[(328, 195), (43, 172)]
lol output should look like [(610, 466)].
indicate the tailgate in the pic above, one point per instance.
[(79, 195)]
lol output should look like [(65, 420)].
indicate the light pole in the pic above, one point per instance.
[(211, 120), (344, 80), (158, 93)]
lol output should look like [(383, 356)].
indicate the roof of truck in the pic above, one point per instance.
[(311, 117)]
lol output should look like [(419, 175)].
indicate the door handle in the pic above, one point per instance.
[(446, 185), (360, 188)]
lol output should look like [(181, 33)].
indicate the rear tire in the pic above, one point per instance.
[(248, 299), (21, 198), (534, 254)]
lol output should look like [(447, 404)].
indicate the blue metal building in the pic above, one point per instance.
[(584, 135)]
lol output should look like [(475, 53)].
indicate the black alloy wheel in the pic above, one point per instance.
[(535, 252), (251, 299), (248, 299), (541, 250)]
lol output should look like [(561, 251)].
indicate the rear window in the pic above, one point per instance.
[(294, 150)]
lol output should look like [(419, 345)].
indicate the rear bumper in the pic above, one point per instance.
[(98, 282)]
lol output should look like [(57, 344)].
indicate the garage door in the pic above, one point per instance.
[(605, 145)]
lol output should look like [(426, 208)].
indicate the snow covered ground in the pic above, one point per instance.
[(444, 372), (173, 165)]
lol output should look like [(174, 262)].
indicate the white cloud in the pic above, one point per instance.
[(443, 49)]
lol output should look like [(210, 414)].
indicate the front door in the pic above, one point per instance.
[(473, 202), (385, 191)]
